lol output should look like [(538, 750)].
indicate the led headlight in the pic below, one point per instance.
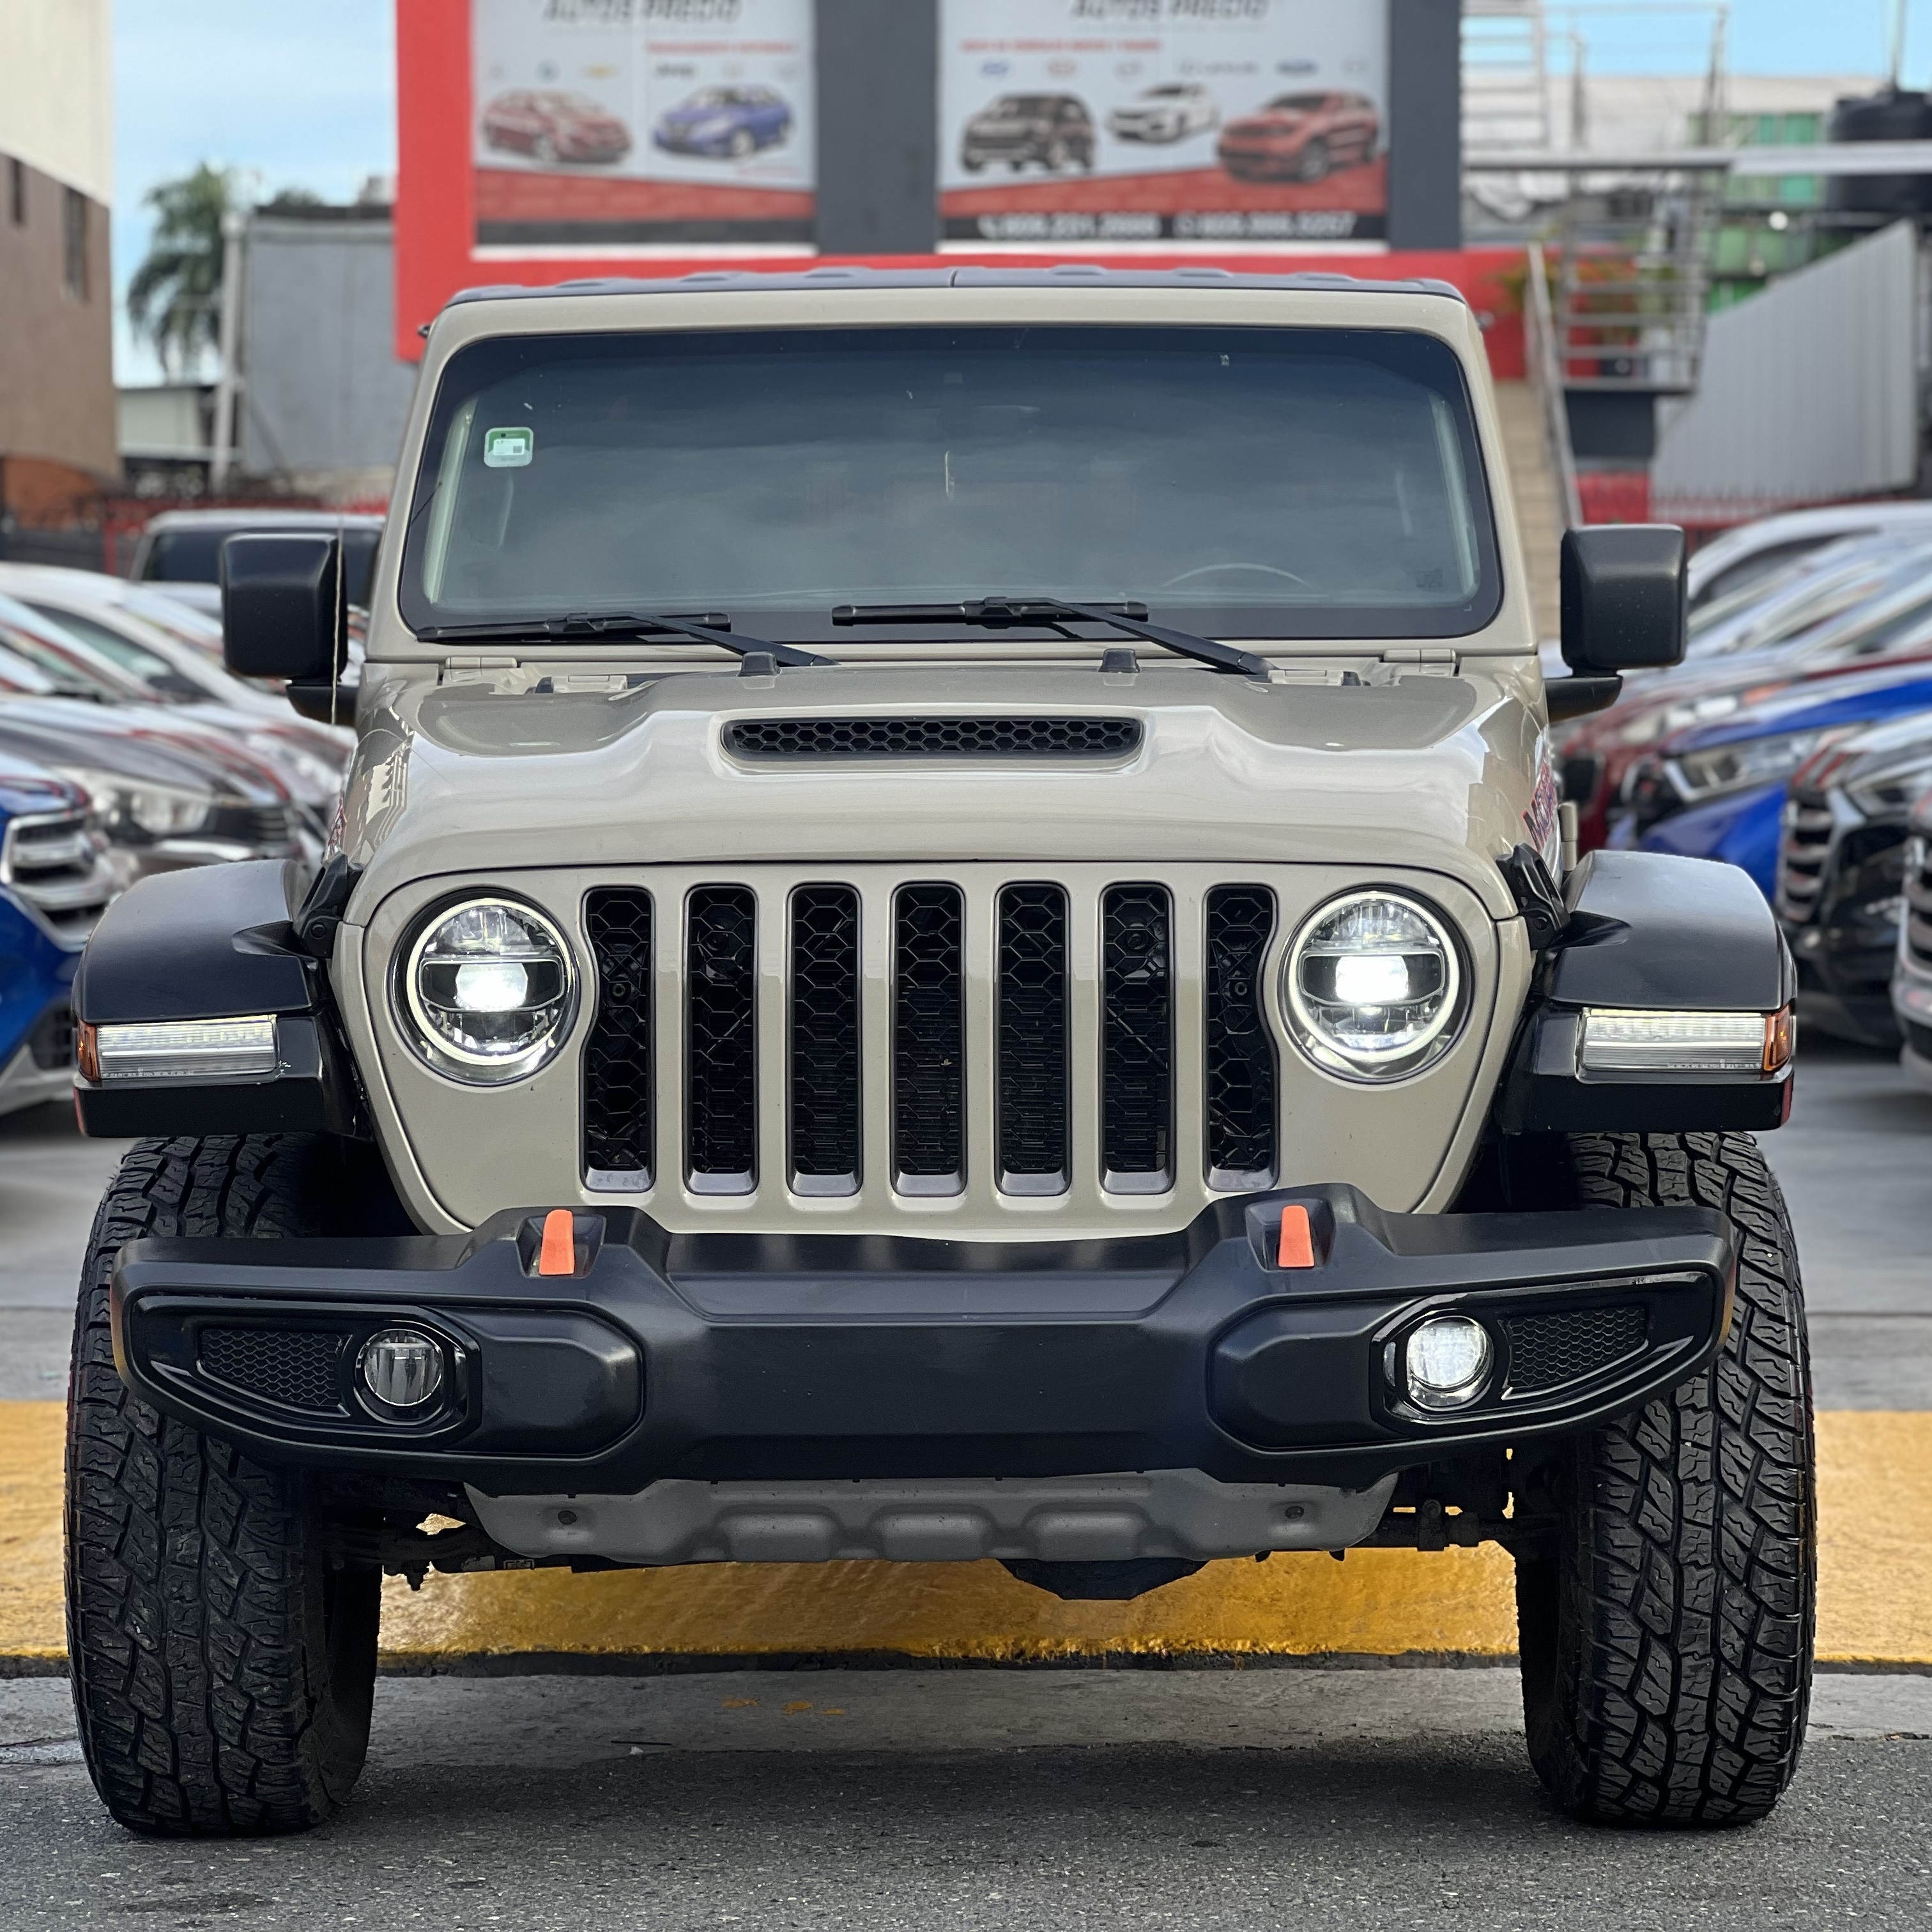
[(1723, 769), (132, 811), (487, 991), (1373, 987)]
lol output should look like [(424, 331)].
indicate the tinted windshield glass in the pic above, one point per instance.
[(1247, 482)]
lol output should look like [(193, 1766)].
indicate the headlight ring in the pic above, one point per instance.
[(487, 990), (1373, 986)]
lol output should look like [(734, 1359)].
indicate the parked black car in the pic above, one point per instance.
[(1841, 874), (1055, 130)]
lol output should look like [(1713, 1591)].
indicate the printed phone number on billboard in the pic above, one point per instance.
[(1152, 13), (1267, 224)]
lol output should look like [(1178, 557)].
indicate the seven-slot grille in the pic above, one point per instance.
[(909, 954), (1919, 903)]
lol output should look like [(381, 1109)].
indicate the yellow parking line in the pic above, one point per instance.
[(1875, 1588)]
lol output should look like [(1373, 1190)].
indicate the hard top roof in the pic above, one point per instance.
[(714, 281)]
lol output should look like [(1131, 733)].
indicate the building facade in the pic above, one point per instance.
[(57, 423)]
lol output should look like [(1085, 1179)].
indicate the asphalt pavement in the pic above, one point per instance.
[(886, 1800)]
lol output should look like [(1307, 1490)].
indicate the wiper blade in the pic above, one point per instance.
[(710, 627), (1002, 614)]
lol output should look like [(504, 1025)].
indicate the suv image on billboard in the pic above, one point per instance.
[(949, 940), (1300, 137), (1055, 129), (727, 122)]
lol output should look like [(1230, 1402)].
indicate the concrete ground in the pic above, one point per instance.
[(1357, 1799), (1855, 1163)]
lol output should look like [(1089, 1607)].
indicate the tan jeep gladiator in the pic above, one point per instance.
[(949, 938)]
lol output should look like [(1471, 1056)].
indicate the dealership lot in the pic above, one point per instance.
[(1367, 1796)]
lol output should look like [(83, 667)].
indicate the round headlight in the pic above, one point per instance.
[(489, 989), (1373, 987)]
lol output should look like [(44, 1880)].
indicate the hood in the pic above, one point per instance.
[(1428, 772), (1843, 701), (25, 788), (132, 744)]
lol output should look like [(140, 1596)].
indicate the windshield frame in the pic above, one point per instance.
[(457, 386)]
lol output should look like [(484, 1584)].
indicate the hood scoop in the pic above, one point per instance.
[(769, 740)]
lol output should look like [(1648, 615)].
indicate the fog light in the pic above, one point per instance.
[(401, 1368), (1447, 1361)]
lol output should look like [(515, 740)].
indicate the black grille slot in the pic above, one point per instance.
[(1136, 1039), (294, 1368), (932, 737), (824, 1069), (1547, 1351), (928, 1039), (619, 1075), (721, 1041), (1033, 1022), (1241, 1070)]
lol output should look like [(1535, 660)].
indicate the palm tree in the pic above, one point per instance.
[(174, 298)]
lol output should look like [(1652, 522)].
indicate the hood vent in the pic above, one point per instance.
[(765, 739)]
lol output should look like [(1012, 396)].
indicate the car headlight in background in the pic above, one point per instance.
[(487, 991), (132, 811), (1699, 775), (1371, 989), (1891, 789)]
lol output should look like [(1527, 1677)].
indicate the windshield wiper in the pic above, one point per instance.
[(1002, 614), (710, 627)]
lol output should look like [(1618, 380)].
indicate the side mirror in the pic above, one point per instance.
[(1623, 597), (282, 613)]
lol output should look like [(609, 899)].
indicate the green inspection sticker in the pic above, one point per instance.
[(508, 448)]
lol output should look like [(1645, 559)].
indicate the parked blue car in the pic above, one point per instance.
[(1717, 791), (56, 880), (728, 122)]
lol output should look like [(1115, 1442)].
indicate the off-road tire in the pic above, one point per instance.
[(223, 1667), (1666, 1645)]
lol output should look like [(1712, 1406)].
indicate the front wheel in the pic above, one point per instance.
[(1666, 1638), (224, 1655)]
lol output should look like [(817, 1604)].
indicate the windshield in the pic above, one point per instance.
[(1263, 483)]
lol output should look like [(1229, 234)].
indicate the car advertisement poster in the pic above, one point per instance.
[(1125, 121), (609, 122)]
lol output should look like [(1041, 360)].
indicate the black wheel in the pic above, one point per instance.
[(1313, 164), (1666, 1642), (223, 1663)]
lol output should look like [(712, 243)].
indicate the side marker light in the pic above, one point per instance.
[(1296, 1248), (558, 1255)]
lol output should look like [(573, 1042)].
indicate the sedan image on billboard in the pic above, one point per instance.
[(551, 127), (1170, 112), (734, 120), (1213, 120)]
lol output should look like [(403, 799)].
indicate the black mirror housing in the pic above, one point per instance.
[(1625, 589), (281, 605)]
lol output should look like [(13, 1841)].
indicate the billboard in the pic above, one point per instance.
[(1147, 121), (597, 123)]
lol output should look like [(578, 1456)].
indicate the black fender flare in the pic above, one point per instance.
[(1656, 930), (216, 942)]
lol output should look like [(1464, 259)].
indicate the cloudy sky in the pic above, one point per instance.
[(304, 95)]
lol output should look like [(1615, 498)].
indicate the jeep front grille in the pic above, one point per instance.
[(1108, 1018)]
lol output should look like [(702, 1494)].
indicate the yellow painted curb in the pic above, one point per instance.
[(1875, 1588), (32, 1442)]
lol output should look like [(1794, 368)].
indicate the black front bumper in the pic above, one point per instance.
[(763, 1357)]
